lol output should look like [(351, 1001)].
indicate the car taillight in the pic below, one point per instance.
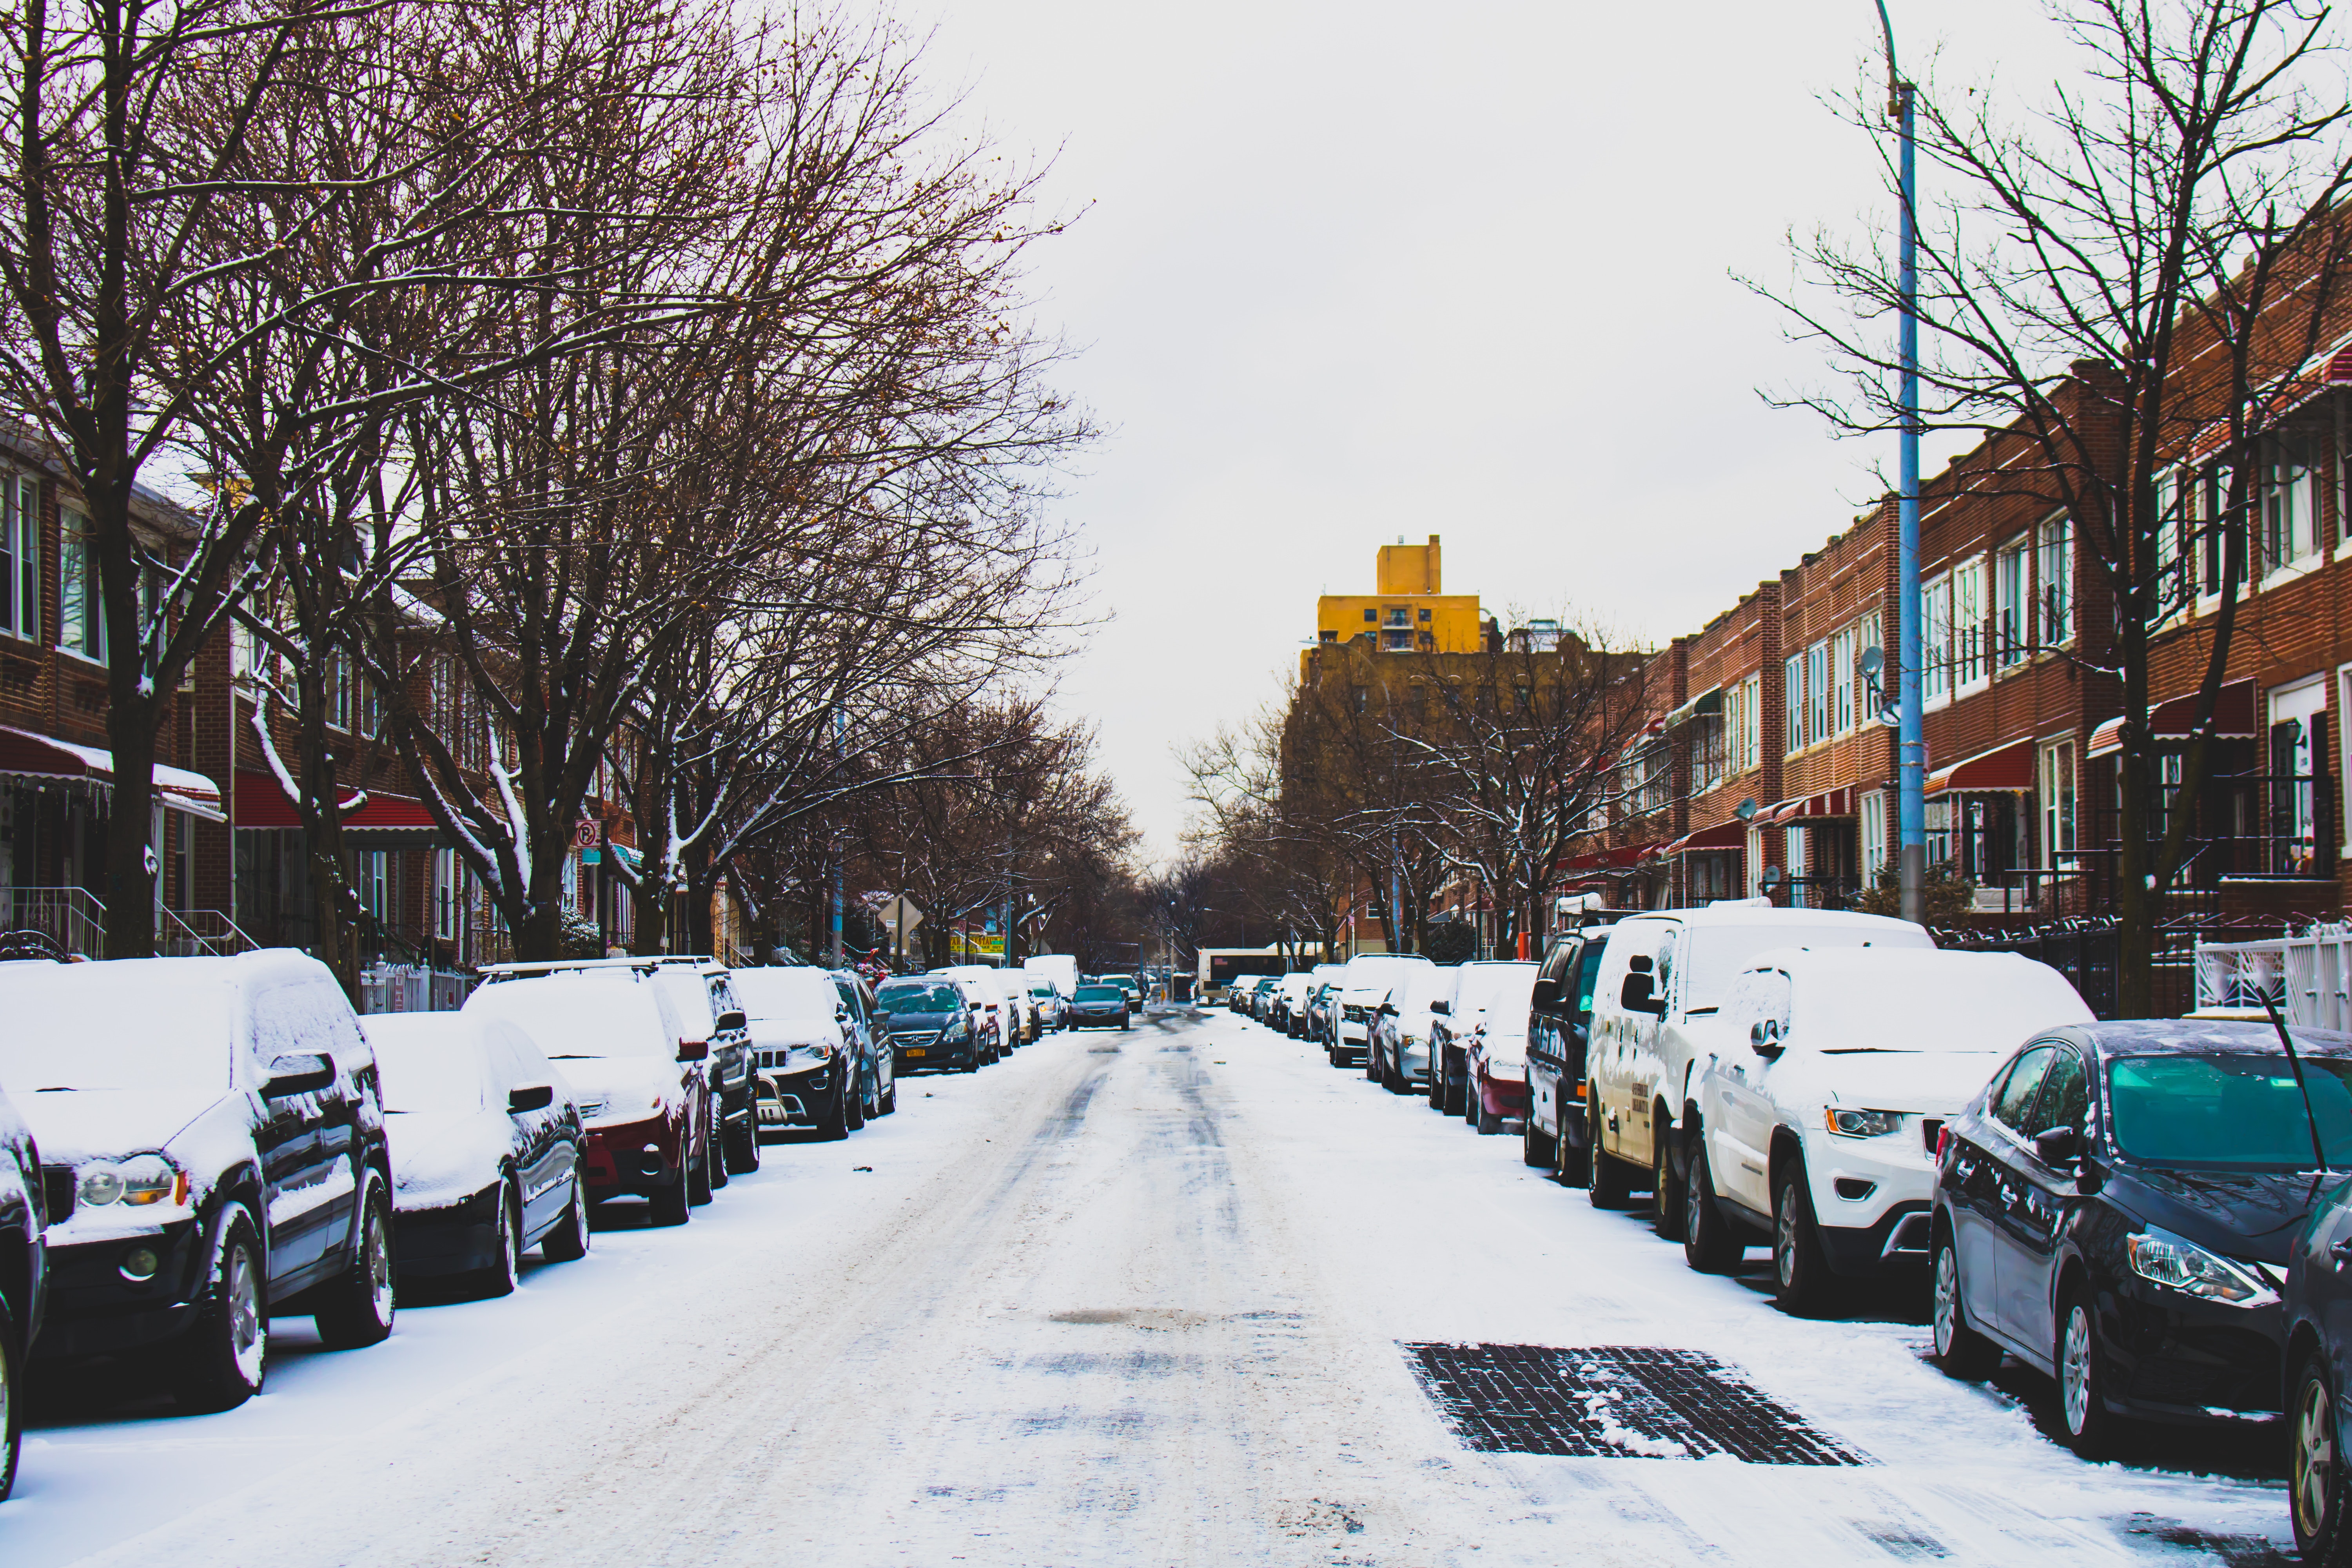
[(1943, 1140)]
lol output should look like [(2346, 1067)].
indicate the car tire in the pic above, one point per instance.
[(1606, 1185), (2092, 1428), (1665, 1193), (568, 1242), (1800, 1271), (836, 1126), (356, 1310), (1959, 1350), (220, 1361), (1486, 1121), (1456, 1092), (698, 1177), (714, 1150), (971, 1063), (12, 1401), (1536, 1148), (2315, 1485), (890, 1097), (1436, 1077), (1710, 1244), (740, 1143), (853, 1105), (1571, 1166), (501, 1277)]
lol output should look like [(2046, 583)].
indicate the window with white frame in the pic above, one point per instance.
[(1842, 656), (1874, 836), (1936, 640), (1968, 626), (374, 875), (1751, 722), (2054, 579), (2290, 504), (448, 894), (1869, 632), (2057, 793), (1792, 702), (20, 556), (1817, 691), (81, 605), (2172, 555), (2010, 597), (2208, 496), (339, 690)]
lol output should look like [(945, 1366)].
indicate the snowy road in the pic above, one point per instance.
[(1125, 1298)]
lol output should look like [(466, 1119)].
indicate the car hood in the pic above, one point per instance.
[(775, 1034), (1925, 1083), (909, 1021), (78, 1124), (2234, 1212), (440, 1157)]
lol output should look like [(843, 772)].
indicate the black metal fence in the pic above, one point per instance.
[(2087, 952)]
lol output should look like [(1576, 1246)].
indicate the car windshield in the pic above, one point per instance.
[(1484, 985), (1041, 992), (114, 1025), (921, 998), (785, 991), (1100, 994), (2229, 1111), (581, 1014), (427, 1063)]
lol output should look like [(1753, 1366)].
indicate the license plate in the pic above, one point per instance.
[(916, 1051)]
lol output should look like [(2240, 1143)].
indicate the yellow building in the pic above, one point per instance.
[(1409, 612)]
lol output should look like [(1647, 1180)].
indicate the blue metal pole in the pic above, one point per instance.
[(1911, 758)]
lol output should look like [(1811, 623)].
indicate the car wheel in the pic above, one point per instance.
[(568, 1242), (714, 1148), (1800, 1272), (2091, 1427), (501, 1277), (1571, 1166), (740, 1143), (1665, 1193), (1710, 1245), (2315, 1469), (853, 1105), (1606, 1185), (698, 1177), (1436, 1085), (12, 1413), (1486, 1121), (890, 1097), (972, 1062), (670, 1203), (356, 1310), (835, 1125), (1456, 1092), (218, 1365), (1534, 1148), (1960, 1351)]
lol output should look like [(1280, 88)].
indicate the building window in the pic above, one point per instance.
[(2290, 503), (1425, 615), (1936, 640), (1329, 637), (20, 556), (2055, 573), (2011, 595), (81, 604), (1792, 702), (1968, 626), (374, 875), (1874, 836), (1842, 656), (339, 690), (1371, 615), (1817, 691), (447, 893), (2057, 793)]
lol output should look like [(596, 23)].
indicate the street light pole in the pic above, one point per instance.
[(1911, 758)]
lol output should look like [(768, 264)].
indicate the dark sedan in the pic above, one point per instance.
[(2116, 1209), (1098, 1007), (930, 1026)]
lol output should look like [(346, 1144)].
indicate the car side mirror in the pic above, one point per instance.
[(302, 1073), (2058, 1146), (1444, 1008), (841, 1012), (1546, 994), (731, 1021), (1764, 1038), (1388, 1010), (1638, 994), (693, 1050), (529, 1097)]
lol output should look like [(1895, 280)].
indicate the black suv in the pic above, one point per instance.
[(215, 1157), (24, 1216), (1559, 1014)]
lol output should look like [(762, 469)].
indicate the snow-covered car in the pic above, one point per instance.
[(1098, 1007), (1364, 984), (634, 1068), (1818, 1130), (24, 1216), (487, 1148), (1489, 999), (1128, 983), (1001, 1030), (812, 1072), (1559, 1017), (1398, 1058), (701, 993), (1290, 1001), (1322, 1006), (1663, 976), (1049, 1003), (931, 1022), (869, 1027), (1059, 970), (216, 1156)]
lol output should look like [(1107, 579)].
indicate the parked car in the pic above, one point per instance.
[(1098, 1007), (23, 1275), (812, 1069), (871, 1034), (1364, 984), (1397, 1057), (1128, 983), (1663, 976), (931, 1022), (702, 994), (1290, 1000), (2117, 1208), (1322, 1010), (1483, 1034), (1058, 969), (1049, 1003), (214, 1157), (1559, 1017), (979, 983), (634, 1068), (2317, 1311), (1817, 1132), (486, 1147)]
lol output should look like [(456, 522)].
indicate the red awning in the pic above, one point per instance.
[(2234, 720), (2003, 769), (1608, 859), (27, 755), (1732, 834), (261, 803), (1838, 802)]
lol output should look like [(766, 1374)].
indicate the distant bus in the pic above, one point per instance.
[(1221, 966)]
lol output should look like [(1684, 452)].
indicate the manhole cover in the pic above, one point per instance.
[(1635, 1402)]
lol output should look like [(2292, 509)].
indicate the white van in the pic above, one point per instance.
[(1661, 979)]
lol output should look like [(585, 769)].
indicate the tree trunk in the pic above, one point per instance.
[(129, 858)]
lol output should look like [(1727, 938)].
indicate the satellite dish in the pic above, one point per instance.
[(1747, 812), (1771, 876), (1873, 661)]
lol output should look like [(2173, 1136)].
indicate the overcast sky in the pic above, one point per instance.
[(1348, 272)]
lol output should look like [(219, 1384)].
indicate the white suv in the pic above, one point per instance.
[(1816, 1125), (1364, 985)]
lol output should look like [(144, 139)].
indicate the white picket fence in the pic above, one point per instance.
[(2309, 977), (410, 988)]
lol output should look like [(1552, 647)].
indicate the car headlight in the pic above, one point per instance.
[(139, 1181), (961, 1029), (1848, 1123), (2169, 1260)]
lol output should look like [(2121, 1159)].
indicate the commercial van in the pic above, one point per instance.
[(1656, 999)]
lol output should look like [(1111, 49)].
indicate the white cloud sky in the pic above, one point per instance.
[(1348, 272)]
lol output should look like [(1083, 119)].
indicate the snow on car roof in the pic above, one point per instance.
[(1745, 914), (584, 1013), (1926, 999), (786, 991)]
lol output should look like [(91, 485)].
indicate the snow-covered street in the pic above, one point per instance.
[(1140, 1298)]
